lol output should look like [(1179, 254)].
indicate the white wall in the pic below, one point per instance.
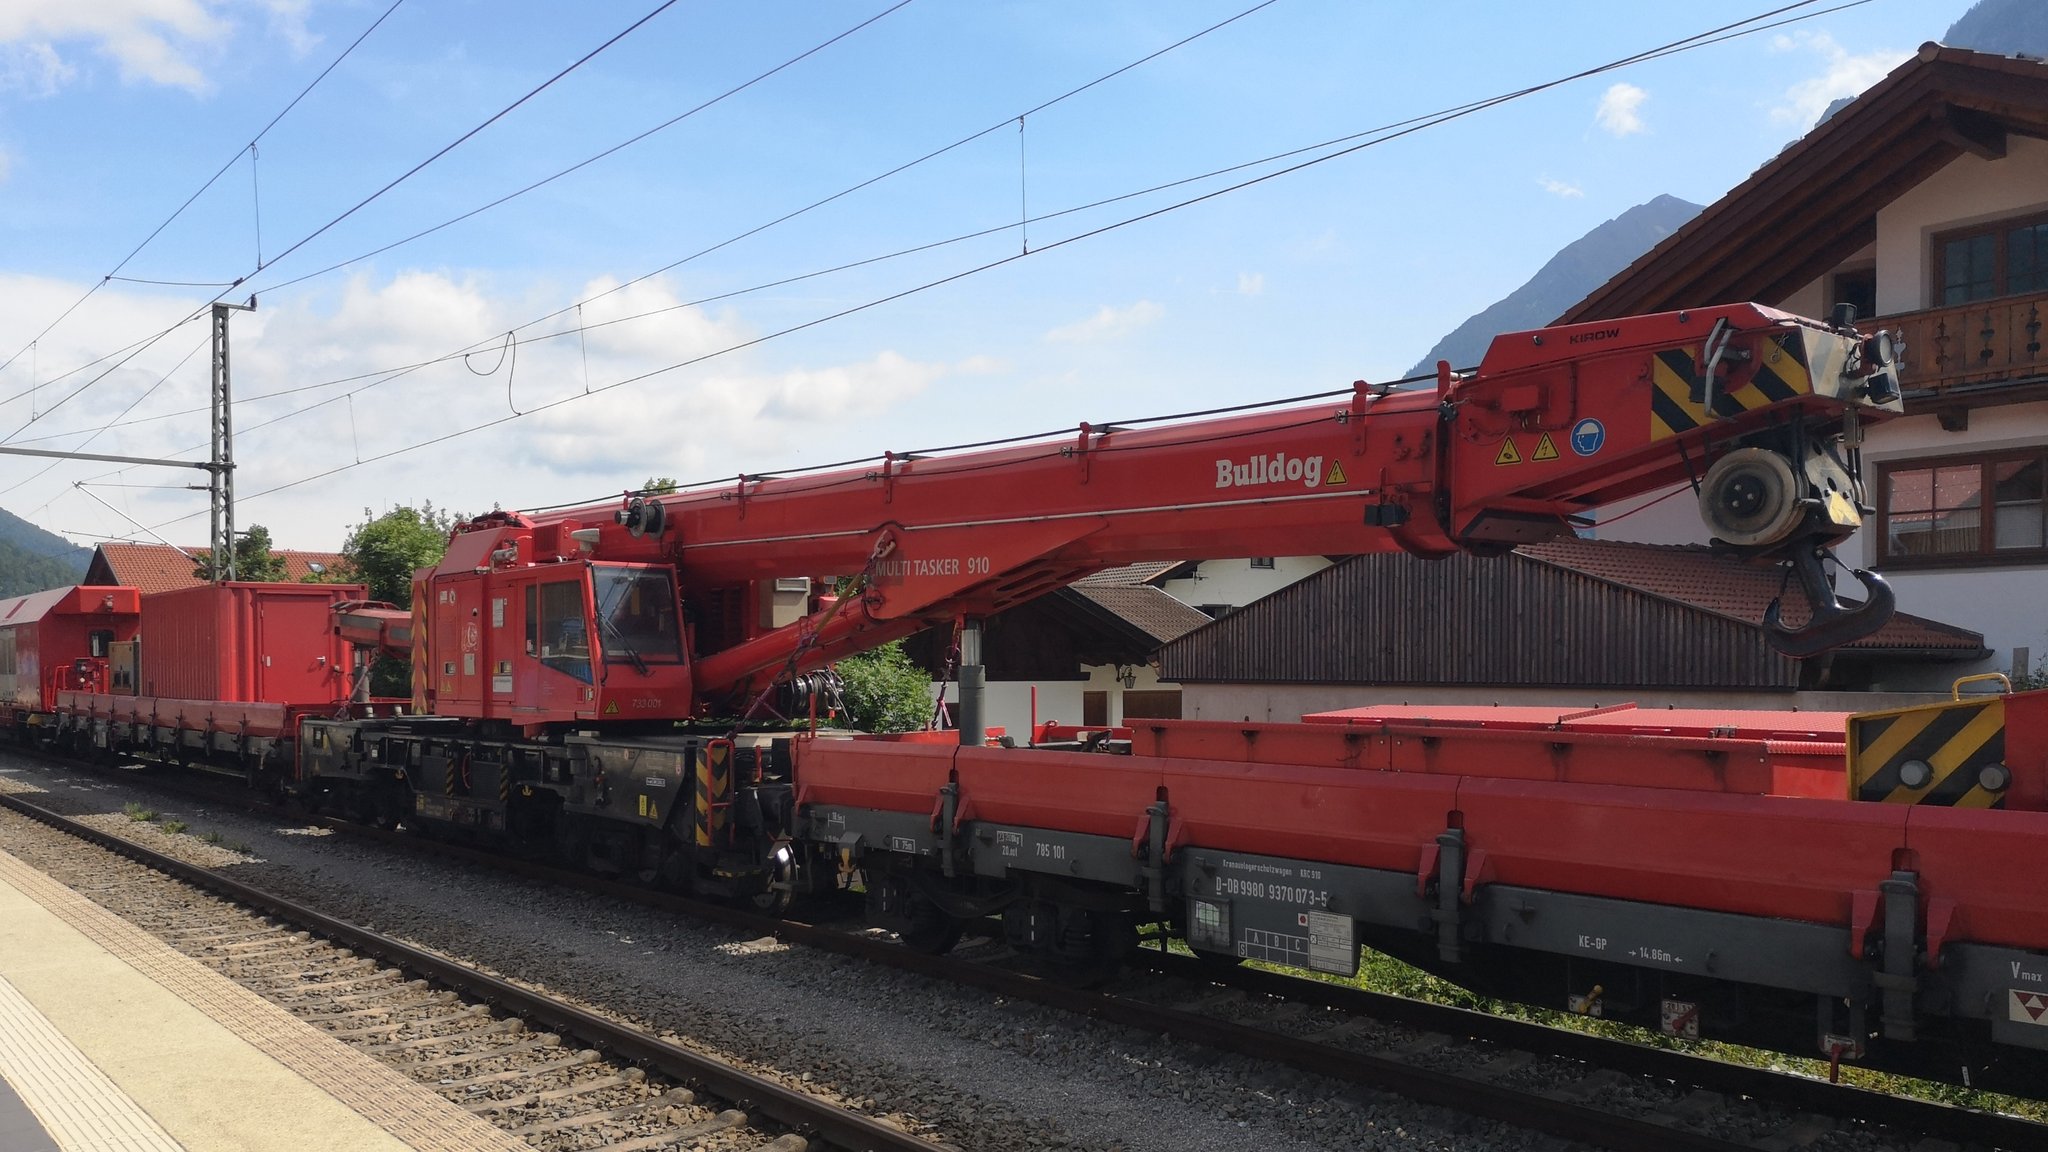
[(1812, 300), (1967, 191), (1008, 703), (1289, 702), (2008, 604), (1237, 583)]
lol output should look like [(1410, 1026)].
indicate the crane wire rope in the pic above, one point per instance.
[(393, 373), (1697, 40), (381, 376)]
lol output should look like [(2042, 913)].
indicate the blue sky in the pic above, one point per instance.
[(113, 112)]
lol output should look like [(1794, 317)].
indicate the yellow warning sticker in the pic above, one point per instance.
[(1508, 454), (1336, 475), (643, 805), (1545, 450), (611, 707)]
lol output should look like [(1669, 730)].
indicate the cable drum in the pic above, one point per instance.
[(1750, 498)]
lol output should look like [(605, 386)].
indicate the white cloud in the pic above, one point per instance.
[(1559, 188), (1108, 323), (1251, 283), (33, 69), (1842, 75), (726, 414), (151, 41), (1617, 114)]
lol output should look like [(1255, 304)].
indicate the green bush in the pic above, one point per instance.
[(885, 692)]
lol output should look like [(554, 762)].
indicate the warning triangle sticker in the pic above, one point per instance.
[(1545, 450), (1508, 453), (1336, 475), (2028, 1007), (611, 707)]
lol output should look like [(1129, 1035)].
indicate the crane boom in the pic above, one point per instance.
[(1760, 408)]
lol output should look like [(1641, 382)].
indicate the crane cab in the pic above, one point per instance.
[(550, 639)]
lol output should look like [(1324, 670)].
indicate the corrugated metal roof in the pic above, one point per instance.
[(34, 606)]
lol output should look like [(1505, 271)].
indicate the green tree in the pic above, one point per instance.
[(885, 692), (253, 558), (660, 485), (384, 551)]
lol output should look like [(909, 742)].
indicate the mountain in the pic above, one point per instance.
[(32, 559), (2007, 27), (1582, 265)]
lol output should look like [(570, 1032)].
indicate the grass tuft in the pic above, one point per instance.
[(174, 826), (135, 811)]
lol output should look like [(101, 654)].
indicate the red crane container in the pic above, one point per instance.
[(246, 642)]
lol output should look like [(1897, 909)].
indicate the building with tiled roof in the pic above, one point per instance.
[(1085, 654), (1923, 202), (1567, 622), (154, 568)]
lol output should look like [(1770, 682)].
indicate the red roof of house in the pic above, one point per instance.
[(152, 568), (1130, 575), (1699, 577), (1145, 608)]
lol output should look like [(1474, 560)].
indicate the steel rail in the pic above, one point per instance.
[(1462, 1093), (1459, 1092), (798, 1111)]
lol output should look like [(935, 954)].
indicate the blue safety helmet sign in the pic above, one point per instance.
[(1587, 436)]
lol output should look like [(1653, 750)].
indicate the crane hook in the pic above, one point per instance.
[(1833, 623)]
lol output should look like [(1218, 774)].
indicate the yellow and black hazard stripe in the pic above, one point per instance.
[(422, 648), (1675, 381), (714, 781), (1952, 755)]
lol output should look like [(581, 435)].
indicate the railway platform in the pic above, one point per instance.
[(112, 1041)]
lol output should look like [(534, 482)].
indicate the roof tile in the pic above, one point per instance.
[(1698, 576), (152, 568)]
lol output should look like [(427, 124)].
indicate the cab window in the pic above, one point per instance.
[(636, 614), (559, 630)]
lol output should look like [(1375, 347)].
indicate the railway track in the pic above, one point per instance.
[(1611, 1094), (550, 1073)]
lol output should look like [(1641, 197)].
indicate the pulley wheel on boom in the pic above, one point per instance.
[(1761, 502)]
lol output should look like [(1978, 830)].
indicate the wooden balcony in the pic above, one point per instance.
[(1985, 342)]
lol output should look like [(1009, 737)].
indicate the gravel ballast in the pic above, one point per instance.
[(979, 1071)]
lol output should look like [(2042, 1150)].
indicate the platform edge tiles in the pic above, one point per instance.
[(215, 1067)]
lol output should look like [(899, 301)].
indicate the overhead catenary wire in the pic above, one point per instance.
[(1697, 40), (383, 376), (393, 373), (210, 181), (364, 202), (132, 404), (587, 161)]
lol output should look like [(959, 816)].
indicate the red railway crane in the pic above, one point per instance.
[(575, 618)]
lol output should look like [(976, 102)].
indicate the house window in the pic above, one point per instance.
[(2001, 259), (1856, 286), (1965, 510), (1265, 562)]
